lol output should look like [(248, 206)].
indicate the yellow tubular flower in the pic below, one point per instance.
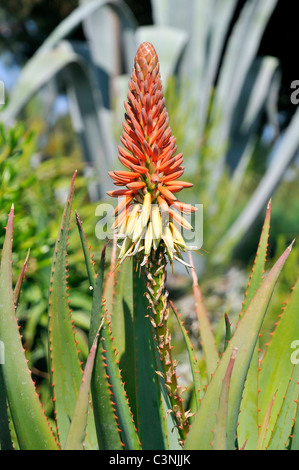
[(148, 239), (132, 220), (168, 238), (177, 236), (123, 228), (146, 209), (157, 223), (127, 243), (180, 220), (139, 227)]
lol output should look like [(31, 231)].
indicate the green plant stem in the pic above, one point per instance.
[(157, 296)]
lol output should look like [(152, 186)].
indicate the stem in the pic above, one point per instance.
[(157, 296)]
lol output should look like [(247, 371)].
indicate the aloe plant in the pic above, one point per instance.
[(246, 398)]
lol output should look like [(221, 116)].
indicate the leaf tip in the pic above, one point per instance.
[(289, 248), (11, 212), (74, 177), (269, 204)]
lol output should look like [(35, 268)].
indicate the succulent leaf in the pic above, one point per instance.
[(114, 419), (248, 421), (208, 342), (110, 282), (77, 431), (86, 250), (264, 427), (197, 389), (200, 435), (295, 437), (149, 408), (18, 286), (66, 371), (282, 431), (123, 327), (278, 372), (125, 422), (228, 332), (106, 428), (258, 269), (220, 429), (6, 441), (19, 387)]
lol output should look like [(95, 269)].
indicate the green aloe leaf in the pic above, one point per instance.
[(125, 421), (248, 420), (149, 411), (66, 371), (31, 426), (208, 342), (107, 433), (122, 321), (244, 338), (258, 269), (18, 286), (127, 309), (114, 420), (279, 375), (286, 417), (86, 251), (228, 331), (295, 438), (197, 388), (152, 398), (6, 441), (77, 430), (265, 425), (220, 429), (109, 288)]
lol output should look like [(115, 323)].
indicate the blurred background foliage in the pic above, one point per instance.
[(227, 74)]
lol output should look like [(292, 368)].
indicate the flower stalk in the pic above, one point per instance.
[(157, 296)]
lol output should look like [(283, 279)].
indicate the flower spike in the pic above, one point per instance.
[(150, 180)]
